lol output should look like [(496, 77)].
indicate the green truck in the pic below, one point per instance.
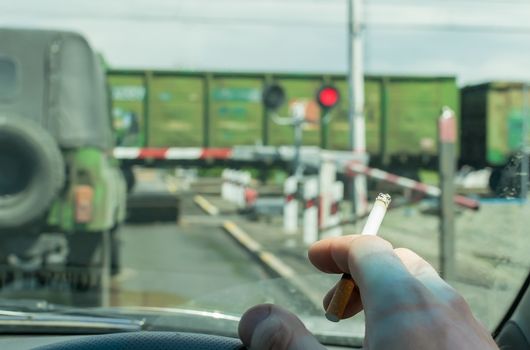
[(62, 194), (214, 109)]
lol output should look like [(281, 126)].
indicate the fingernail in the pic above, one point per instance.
[(250, 320)]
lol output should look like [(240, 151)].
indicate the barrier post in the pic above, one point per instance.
[(335, 229), (446, 158), (327, 177), (290, 208), (224, 185), (244, 182), (231, 188), (310, 229), (240, 193), (235, 183)]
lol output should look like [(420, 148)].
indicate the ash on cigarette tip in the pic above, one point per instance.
[(385, 198)]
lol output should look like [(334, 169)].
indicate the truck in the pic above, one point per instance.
[(62, 194)]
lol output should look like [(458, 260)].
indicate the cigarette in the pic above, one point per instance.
[(345, 287)]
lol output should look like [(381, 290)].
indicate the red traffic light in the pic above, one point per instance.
[(328, 96)]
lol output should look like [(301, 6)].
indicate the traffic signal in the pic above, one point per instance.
[(328, 97), (273, 96)]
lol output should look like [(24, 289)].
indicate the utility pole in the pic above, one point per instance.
[(356, 92)]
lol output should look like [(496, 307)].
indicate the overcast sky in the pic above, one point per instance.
[(472, 39)]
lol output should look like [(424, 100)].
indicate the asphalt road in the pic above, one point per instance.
[(193, 263)]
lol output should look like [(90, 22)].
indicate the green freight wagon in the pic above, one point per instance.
[(208, 109), (492, 127)]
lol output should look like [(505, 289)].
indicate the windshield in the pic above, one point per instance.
[(243, 132)]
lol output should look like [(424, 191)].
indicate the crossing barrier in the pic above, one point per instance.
[(354, 168)]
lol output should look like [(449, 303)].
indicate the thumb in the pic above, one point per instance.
[(267, 327)]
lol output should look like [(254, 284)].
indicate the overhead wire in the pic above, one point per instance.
[(292, 22), (226, 21)]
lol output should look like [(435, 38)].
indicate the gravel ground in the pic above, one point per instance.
[(492, 248)]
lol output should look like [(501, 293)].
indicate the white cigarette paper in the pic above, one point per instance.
[(375, 218)]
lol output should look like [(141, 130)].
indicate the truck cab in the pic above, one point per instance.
[(62, 194)]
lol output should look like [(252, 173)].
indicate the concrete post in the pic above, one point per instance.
[(327, 177), (244, 182), (310, 229), (225, 187), (446, 157), (290, 208), (335, 214)]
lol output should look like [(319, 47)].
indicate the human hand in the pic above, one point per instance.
[(406, 304)]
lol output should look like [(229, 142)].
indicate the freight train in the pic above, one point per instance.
[(214, 109), (182, 109)]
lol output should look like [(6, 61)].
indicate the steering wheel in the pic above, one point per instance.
[(148, 340)]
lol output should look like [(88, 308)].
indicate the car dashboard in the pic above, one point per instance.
[(126, 340)]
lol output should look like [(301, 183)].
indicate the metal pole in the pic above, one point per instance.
[(446, 159), (524, 145), (324, 124), (356, 92), (297, 167)]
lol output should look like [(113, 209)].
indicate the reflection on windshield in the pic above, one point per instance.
[(137, 175)]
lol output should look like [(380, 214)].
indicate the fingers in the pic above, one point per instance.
[(330, 255), (380, 271), (267, 327), (366, 258), (382, 278)]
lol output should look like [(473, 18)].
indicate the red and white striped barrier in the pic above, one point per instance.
[(354, 168), (309, 155), (172, 153)]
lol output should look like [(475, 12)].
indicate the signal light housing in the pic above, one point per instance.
[(273, 96), (328, 96)]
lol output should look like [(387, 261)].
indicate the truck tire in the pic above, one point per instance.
[(32, 171)]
